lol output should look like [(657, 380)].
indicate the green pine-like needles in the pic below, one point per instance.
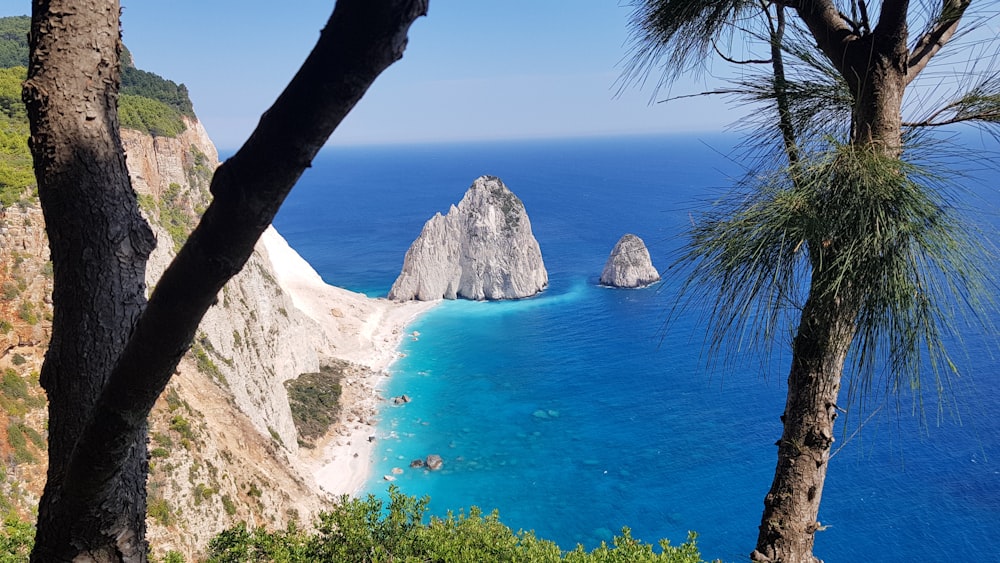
[(886, 236)]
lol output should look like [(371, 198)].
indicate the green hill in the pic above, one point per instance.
[(149, 102)]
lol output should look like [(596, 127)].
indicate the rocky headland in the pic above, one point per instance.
[(629, 265), (483, 249)]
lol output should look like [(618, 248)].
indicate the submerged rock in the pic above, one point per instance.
[(629, 265), (482, 249)]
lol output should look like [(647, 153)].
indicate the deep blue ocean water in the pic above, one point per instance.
[(579, 411)]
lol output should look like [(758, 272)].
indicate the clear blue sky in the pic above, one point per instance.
[(474, 69)]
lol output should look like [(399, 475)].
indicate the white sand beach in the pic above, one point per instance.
[(355, 328)]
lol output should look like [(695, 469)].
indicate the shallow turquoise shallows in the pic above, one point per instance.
[(580, 411)]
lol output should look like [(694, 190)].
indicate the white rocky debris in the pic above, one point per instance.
[(482, 249), (629, 265)]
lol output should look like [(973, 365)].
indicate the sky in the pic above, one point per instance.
[(473, 69)]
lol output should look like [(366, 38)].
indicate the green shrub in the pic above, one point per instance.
[(27, 313), (182, 426), (314, 399), (228, 505), (13, 385), (18, 360), (366, 530), (14, 40), (16, 539), (159, 510), (149, 116)]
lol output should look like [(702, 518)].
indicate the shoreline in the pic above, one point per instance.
[(362, 330)]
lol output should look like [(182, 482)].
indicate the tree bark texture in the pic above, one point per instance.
[(99, 244), (94, 503), (791, 507), (877, 67)]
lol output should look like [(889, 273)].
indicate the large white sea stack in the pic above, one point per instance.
[(482, 249), (629, 265)]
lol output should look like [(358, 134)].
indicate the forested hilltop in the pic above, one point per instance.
[(148, 103)]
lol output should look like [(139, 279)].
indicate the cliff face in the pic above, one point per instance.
[(241, 463), (629, 265), (223, 445), (482, 249)]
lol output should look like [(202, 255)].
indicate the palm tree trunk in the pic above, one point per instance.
[(790, 519)]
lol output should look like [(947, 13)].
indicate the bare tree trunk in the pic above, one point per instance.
[(791, 507), (99, 244), (111, 354)]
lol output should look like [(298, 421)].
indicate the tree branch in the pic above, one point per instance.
[(729, 59), (939, 34), (892, 19), (832, 34), (361, 39)]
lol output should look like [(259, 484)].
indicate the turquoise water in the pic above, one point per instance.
[(579, 411)]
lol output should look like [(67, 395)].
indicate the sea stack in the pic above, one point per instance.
[(629, 265), (482, 249)]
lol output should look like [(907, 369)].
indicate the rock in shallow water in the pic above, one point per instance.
[(629, 265), (482, 249)]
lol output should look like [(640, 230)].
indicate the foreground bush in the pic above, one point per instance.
[(367, 531)]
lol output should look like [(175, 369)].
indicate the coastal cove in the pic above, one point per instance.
[(580, 411)]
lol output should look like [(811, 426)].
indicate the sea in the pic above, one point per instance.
[(587, 409)]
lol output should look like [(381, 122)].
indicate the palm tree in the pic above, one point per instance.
[(848, 233)]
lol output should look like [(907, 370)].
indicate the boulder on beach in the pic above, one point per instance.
[(629, 265), (483, 249)]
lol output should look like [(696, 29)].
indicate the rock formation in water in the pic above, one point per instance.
[(482, 249), (629, 265)]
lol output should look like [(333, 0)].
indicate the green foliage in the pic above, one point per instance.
[(314, 400), (880, 232), (140, 83), (228, 505), (26, 312), (16, 539), (10, 92), (182, 426), (160, 511), (149, 116), (14, 41), (368, 531), (200, 349), (683, 32), (17, 177), (18, 435), (13, 385), (174, 215)]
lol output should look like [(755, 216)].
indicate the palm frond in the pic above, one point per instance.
[(671, 37), (980, 105), (890, 241)]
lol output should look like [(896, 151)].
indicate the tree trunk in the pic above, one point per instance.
[(875, 67), (791, 507), (99, 244)]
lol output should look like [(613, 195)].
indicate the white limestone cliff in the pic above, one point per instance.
[(482, 249), (629, 265)]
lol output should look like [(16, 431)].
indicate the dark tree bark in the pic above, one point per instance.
[(111, 353), (99, 244)]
